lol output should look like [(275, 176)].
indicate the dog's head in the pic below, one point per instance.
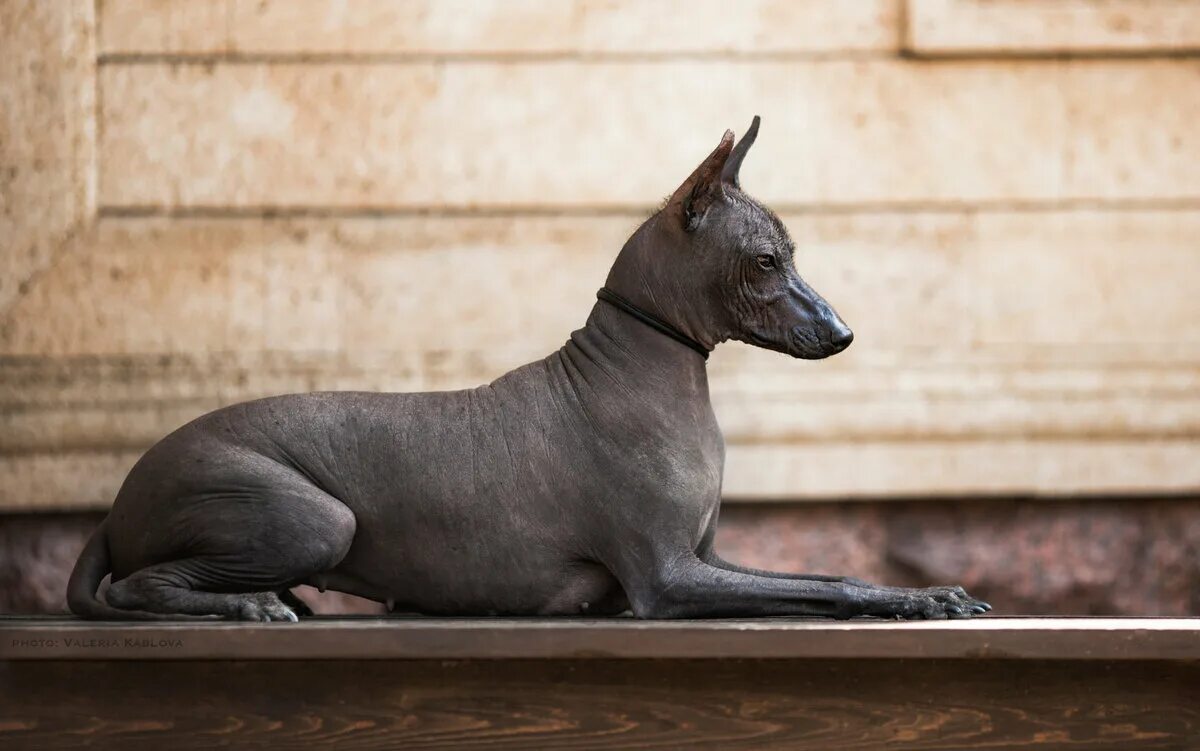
[(730, 267)]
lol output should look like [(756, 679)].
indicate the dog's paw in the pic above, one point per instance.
[(264, 606), (933, 603)]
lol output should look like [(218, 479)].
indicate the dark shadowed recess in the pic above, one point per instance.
[(1133, 556)]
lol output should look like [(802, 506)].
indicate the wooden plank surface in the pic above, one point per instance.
[(1048, 27), (327, 638), (830, 705)]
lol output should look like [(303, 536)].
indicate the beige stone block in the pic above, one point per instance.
[(918, 469), (1016, 27), (526, 134), (165, 26), (421, 284), (900, 280), (144, 292), (62, 481), (939, 288), (516, 286), (512, 285), (497, 27), (105, 425), (47, 135), (974, 412), (1042, 283)]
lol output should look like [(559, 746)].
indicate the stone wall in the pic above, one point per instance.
[(209, 201)]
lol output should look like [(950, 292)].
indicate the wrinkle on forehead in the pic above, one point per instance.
[(762, 223)]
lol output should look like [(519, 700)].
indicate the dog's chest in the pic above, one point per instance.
[(687, 473)]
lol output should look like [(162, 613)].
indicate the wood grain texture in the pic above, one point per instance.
[(812, 704), (1020, 27), (836, 133)]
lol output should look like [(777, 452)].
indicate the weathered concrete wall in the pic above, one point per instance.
[(1001, 197)]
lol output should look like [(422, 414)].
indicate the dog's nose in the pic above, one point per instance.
[(841, 336)]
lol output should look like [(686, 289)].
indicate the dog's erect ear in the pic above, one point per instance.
[(733, 165), (690, 200)]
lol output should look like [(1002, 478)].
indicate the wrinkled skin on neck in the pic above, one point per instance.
[(731, 276)]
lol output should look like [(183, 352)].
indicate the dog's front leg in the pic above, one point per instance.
[(707, 553), (977, 607), (683, 586), (709, 556), (713, 559)]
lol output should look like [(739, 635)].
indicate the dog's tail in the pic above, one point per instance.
[(93, 565)]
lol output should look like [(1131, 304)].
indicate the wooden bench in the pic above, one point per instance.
[(366, 683)]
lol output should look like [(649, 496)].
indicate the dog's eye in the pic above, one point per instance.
[(766, 261)]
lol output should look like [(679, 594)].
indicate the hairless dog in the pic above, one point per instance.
[(588, 482)]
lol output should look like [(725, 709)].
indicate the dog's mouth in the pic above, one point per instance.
[(801, 342), (806, 343), (756, 340)]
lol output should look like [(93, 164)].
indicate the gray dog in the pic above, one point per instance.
[(585, 483)]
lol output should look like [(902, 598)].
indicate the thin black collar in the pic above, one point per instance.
[(654, 322)]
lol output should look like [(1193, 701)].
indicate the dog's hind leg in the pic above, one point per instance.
[(168, 588), (245, 554)]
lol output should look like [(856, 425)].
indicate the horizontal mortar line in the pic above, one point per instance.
[(910, 55), (294, 211), (918, 55), (367, 212), (491, 57)]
